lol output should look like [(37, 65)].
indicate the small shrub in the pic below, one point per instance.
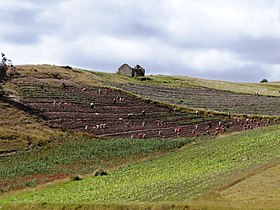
[(12, 74), (263, 80), (143, 78), (2, 190), (77, 178), (67, 67)]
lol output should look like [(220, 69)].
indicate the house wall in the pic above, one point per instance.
[(139, 72), (126, 70)]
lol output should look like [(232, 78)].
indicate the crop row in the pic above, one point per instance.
[(205, 98), (200, 168), (86, 108), (73, 155)]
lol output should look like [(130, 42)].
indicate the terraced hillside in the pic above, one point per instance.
[(209, 99), (65, 101), (108, 112)]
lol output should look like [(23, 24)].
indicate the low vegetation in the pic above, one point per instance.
[(20, 131), (76, 155), (186, 174)]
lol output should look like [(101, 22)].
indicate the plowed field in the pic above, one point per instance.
[(209, 99), (113, 113)]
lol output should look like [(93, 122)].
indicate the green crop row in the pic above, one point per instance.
[(77, 156), (182, 175)]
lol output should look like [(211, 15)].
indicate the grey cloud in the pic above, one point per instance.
[(138, 29), (265, 49), (247, 73), (19, 17), (23, 26), (22, 37), (19, 26), (127, 20), (82, 59)]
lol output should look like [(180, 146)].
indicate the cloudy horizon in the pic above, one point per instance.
[(212, 39)]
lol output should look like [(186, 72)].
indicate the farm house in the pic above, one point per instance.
[(125, 69)]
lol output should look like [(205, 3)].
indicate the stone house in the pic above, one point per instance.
[(126, 70)]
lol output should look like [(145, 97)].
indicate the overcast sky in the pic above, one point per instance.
[(233, 40)]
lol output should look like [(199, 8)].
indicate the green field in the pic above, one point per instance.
[(187, 174), (74, 155)]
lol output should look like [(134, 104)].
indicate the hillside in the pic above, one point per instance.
[(191, 173), (19, 130), (108, 112), (58, 122)]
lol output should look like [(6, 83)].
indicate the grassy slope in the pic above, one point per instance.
[(183, 175), (101, 78), (262, 187), (19, 131), (270, 88)]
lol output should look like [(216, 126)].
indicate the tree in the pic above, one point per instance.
[(4, 64), (3, 67)]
